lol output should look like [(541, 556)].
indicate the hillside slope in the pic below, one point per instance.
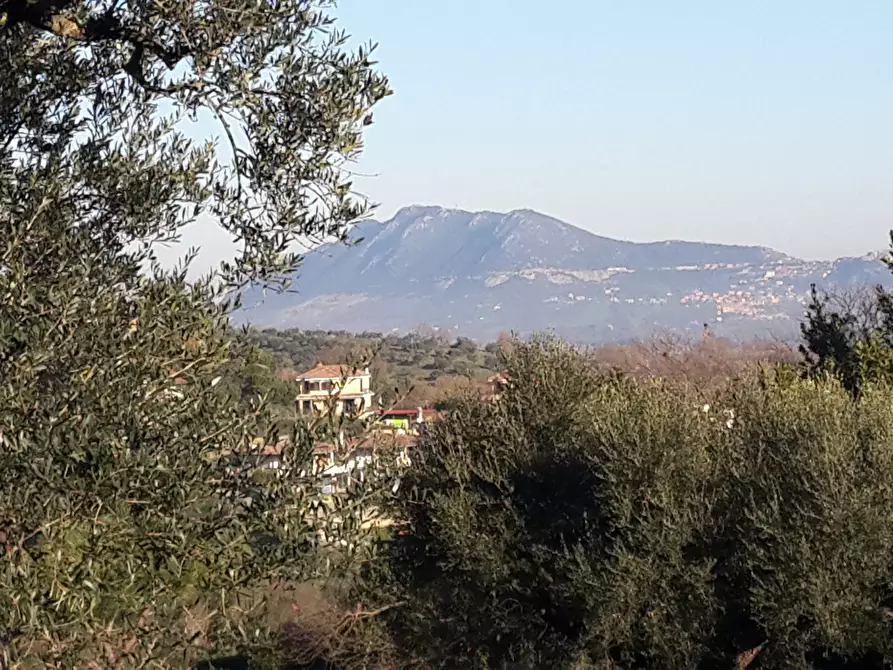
[(481, 273)]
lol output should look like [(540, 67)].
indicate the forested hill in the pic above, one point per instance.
[(430, 364)]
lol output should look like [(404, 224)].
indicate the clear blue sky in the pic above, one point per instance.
[(765, 122), (760, 122)]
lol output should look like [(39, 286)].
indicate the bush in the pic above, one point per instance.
[(592, 521), (125, 538)]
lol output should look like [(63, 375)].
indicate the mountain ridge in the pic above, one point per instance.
[(480, 273)]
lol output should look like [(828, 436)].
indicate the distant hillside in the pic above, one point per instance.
[(481, 273)]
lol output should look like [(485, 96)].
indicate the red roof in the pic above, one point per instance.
[(331, 372)]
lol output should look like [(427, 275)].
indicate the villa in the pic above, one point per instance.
[(349, 391)]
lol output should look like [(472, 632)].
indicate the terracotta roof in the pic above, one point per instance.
[(330, 372)]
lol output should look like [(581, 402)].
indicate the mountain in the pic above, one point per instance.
[(482, 273)]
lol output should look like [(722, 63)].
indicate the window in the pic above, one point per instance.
[(350, 406), (306, 407)]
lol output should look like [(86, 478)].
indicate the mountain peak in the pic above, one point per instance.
[(484, 272), (417, 210), (420, 210), (525, 212), (425, 243)]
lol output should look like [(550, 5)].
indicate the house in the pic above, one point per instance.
[(406, 419), (333, 466), (270, 457), (363, 453), (349, 391)]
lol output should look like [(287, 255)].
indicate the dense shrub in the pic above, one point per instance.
[(590, 521)]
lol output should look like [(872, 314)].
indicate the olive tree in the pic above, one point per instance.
[(848, 334), (125, 539), (592, 521)]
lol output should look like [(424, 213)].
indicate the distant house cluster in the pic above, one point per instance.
[(346, 392)]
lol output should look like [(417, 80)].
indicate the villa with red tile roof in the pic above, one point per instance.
[(350, 390)]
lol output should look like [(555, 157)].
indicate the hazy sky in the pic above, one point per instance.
[(760, 122)]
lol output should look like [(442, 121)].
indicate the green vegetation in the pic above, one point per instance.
[(849, 334), (414, 370), (665, 505), (600, 521), (124, 541)]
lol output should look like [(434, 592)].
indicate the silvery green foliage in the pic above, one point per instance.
[(605, 522), (287, 100), (128, 536)]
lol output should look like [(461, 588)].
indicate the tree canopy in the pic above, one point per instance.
[(127, 538), (595, 521), (95, 94)]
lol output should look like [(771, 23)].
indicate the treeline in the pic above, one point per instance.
[(411, 370), (592, 520), (430, 370)]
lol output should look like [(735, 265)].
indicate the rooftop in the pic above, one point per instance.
[(406, 412), (332, 372)]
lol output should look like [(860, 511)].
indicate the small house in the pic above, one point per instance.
[(407, 420)]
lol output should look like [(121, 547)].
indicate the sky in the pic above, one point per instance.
[(766, 122)]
